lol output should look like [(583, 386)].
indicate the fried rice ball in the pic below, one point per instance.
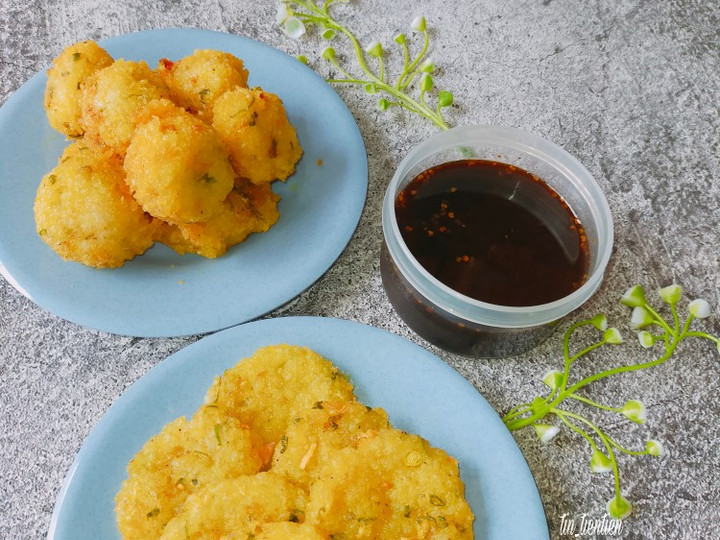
[(183, 458), (85, 212), (248, 209), (236, 509), (266, 389), (391, 485), (263, 144), (196, 81), (112, 97), (65, 78), (176, 165)]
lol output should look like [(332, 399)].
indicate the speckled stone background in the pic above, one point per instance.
[(631, 88)]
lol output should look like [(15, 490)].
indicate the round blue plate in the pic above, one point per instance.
[(160, 293), (420, 393)]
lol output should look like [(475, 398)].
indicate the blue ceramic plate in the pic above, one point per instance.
[(421, 394), (161, 293)]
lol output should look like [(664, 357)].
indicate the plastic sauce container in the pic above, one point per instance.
[(463, 324)]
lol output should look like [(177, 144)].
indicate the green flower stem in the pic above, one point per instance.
[(563, 418), (347, 81), (521, 423), (411, 70), (676, 317), (594, 403), (517, 411), (671, 344), (406, 66), (660, 321), (704, 335), (608, 446), (671, 334), (321, 16)]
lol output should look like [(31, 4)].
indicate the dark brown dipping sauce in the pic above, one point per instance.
[(493, 232)]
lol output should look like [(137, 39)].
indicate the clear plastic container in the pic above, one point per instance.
[(464, 325)]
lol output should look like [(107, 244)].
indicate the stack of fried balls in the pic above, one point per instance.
[(184, 155)]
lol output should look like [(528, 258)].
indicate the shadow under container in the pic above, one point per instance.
[(459, 323)]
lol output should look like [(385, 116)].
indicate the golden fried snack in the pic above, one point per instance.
[(319, 432), (197, 80), (392, 485), (339, 469), (112, 97), (176, 165), (85, 212), (284, 531), (65, 78), (236, 508), (266, 389), (183, 458), (263, 144), (248, 209)]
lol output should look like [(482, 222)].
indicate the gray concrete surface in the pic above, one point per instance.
[(631, 88)]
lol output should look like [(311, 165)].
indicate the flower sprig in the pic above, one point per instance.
[(295, 15), (652, 329)]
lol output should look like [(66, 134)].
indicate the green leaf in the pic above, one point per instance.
[(328, 53), (600, 322), (383, 104), (302, 59), (445, 99), (428, 66), (370, 88), (553, 379), (426, 82), (634, 410), (374, 49), (419, 24), (671, 294), (646, 339), (619, 507), (612, 336), (633, 297), (546, 432), (655, 448), (600, 463)]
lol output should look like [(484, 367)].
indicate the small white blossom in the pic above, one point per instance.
[(419, 24), (699, 308), (613, 336), (600, 463), (646, 339), (655, 448), (671, 294), (294, 27), (600, 322), (635, 411), (546, 432), (619, 508), (374, 49), (283, 13), (640, 318), (553, 379), (633, 297)]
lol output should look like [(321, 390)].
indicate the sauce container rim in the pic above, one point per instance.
[(468, 308)]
